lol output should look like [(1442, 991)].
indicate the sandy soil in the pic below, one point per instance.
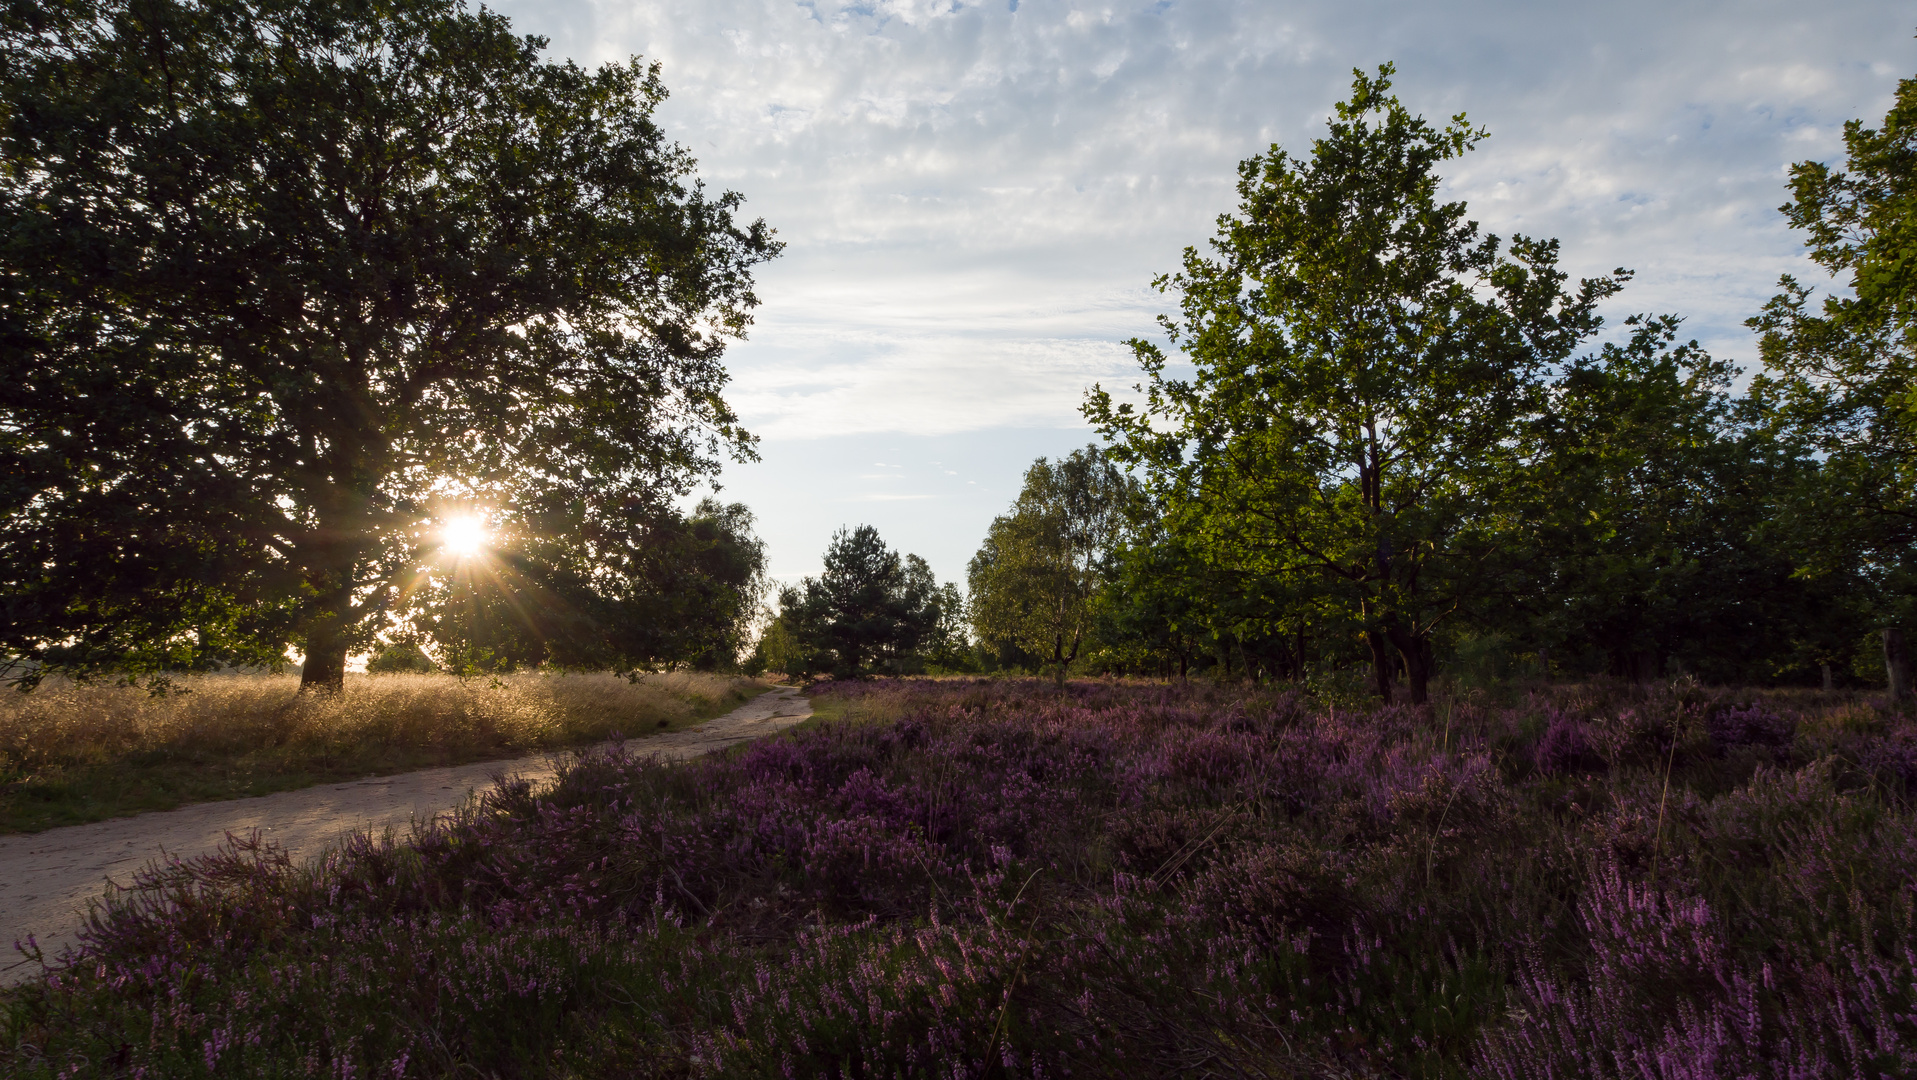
[(48, 879)]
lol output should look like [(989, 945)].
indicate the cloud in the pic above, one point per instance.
[(929, 382), (977, 196)]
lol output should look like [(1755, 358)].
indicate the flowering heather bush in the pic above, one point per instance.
[(1753, 725), (996, 878)]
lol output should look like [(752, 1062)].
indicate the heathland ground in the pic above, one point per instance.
[(1001, 877)]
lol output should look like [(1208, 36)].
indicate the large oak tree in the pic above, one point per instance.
[(286, 282)]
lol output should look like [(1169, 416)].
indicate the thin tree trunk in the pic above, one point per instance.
[(1638, 665), (1827, 679), (1897, 663), (1415, 649), (1065, 661), (1417, 664), (1380, 664)]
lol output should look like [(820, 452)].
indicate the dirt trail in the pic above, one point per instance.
[(46, 879)]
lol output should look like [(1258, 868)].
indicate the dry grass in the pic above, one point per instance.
[(73, 752)]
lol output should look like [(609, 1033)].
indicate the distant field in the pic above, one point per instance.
[(73, 753), (994, 878)]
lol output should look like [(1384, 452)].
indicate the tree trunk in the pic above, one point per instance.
[(1065, 660), (1897, 664), (1415, 649), (1827, 679), (1380, 664), (1417, 665), (325, 667), (1637, 665), (327, 629)]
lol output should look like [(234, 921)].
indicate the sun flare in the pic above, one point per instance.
[(464, 536)]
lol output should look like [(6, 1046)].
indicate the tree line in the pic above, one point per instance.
[(286, 286), (1376, 437)]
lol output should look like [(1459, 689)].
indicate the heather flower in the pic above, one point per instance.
[(1112, 879)]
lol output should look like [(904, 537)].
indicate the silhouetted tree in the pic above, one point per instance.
[(1661, 546), (280, 281), (683, 594)]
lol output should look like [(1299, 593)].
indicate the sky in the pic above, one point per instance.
[(975, 199)]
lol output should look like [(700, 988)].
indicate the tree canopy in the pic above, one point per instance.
[(871, 609), (1034, 580), (1842, 375), (685, 594), (288, 283), (1366, 366), (1395, 442)]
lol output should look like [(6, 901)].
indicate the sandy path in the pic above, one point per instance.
[(46, 879)]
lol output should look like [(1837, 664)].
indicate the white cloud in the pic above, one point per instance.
[(976, 196)]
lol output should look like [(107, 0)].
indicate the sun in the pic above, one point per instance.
[(464, 536)]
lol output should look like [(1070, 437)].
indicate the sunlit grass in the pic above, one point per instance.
[(71, 753)]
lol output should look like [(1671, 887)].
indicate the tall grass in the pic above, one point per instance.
[(73, 752), (992, 879)]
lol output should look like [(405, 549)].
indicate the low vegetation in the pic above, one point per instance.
[(75, 752), (968, 878)]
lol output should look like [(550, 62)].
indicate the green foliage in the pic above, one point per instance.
[(680, 593), (947, 647), (775, 650), (1035, 579), (1363, 361), (1389, 438), (282, 281), (1662, 546), (400, 657), (1842, 378), (870, 610)]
